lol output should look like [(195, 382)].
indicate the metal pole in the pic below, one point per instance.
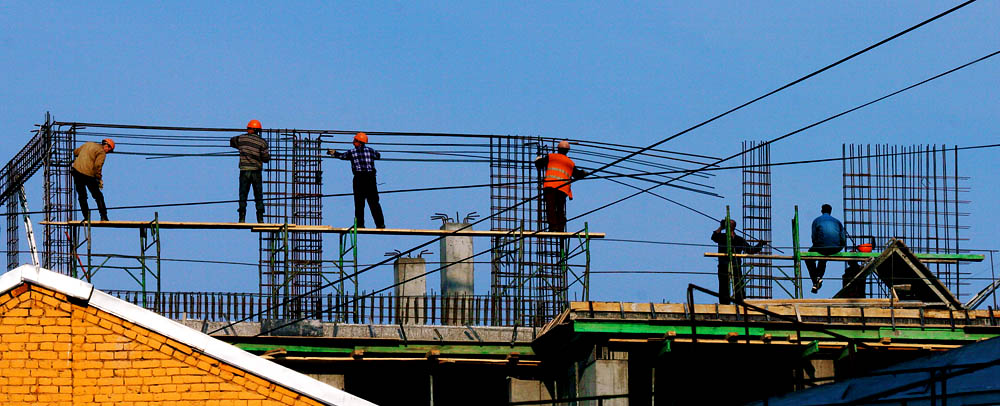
[(586, 269), (156, 235), (729, 255), (27, 228), (142, 264), (796, 254)]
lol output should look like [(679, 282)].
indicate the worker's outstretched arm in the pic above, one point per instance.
[(579, 173), (234, 141), (757, 248)]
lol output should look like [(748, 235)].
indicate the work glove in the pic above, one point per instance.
[(331, 152), (100, 184)]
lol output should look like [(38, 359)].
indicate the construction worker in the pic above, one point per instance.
[(253, 156), (555, 187), (86, 171), (828, 238), (362, 159), (739, 246)]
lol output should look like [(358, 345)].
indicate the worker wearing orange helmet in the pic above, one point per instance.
[(362, 159), (559, 171), (253, 156), (86, 170)]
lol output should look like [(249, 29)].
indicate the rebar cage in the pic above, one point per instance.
[(291, 264), (757, 272), (529, 271), (911, 193)]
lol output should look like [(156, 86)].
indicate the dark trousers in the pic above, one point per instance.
[(555, 209), (724, 281), (254, 179), (817, 267), (83, 183), (365, 189)]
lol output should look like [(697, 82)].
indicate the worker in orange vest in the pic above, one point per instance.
[(559, 170), (86, 171)]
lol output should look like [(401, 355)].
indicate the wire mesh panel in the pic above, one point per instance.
[(24, 164), (528, 277), (910, 193), (757, 217)]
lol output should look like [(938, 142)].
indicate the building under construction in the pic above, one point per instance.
[(534, 336)]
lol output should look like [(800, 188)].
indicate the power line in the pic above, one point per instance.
[(835, 116)]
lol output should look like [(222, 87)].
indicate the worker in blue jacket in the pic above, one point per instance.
[(828, 238)]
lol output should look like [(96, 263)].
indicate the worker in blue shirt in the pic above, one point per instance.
[(828, 238)]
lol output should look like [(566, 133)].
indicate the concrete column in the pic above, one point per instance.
[(605, 374), (411, 296), (522, 390), (457, 283), (334, 380)]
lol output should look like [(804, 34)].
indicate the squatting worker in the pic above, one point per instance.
[(739, 246), (828, 238), (86, 171), (559, 169), (362, 159), (253, 156)]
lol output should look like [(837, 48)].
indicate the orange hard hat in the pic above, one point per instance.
[(253, 124), (361, 137), (564, 145), (109, 142)]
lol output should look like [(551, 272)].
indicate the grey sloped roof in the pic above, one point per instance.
[(975, 369)]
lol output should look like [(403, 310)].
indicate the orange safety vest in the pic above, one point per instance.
[(558, 173)]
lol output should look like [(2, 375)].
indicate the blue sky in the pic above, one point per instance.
[(632, 73)]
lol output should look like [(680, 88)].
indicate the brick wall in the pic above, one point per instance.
[(56, 352)]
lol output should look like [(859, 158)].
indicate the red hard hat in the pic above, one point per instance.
[(109, 142), (361, 137), (564, 145), (253, 124)]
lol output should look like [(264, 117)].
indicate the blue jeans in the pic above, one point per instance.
[(248, 179)]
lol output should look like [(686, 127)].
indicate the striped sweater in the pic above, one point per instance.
[(253, 151)]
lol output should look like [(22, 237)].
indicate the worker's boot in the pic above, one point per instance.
[(243, 216), (86, 215), (260, 217)]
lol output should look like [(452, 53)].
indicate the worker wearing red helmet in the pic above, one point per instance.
[(253, 156), (559, 170), (362, 159), (86, 170)]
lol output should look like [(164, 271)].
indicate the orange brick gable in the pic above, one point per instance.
[(55, 350)]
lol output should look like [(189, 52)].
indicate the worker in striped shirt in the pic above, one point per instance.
[(362, 159), (253, 156)]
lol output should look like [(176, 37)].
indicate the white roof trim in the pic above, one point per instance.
[(204, 343)]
